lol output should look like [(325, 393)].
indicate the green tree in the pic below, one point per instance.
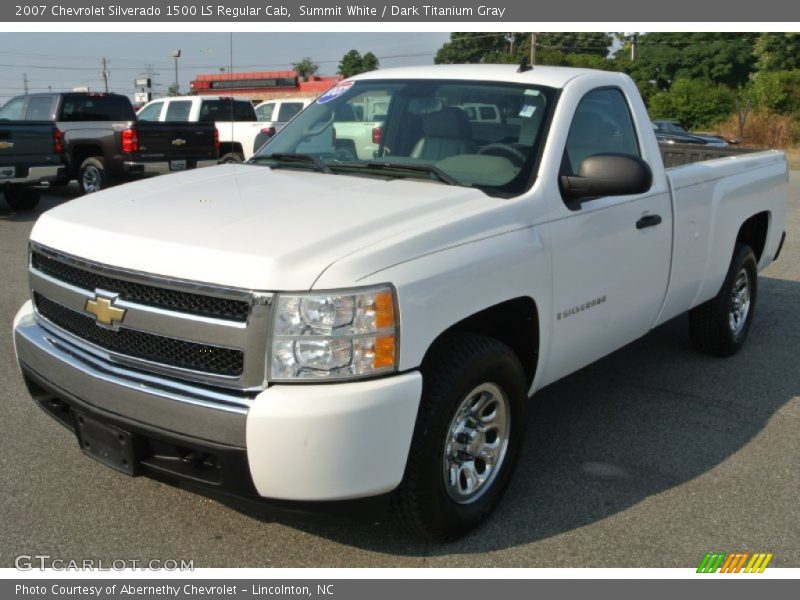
[(572, 43), (694, 102), (172, 90), (350, 64), (551, 48), (353, 63), (305, 67), (370, 62), (777, 91), (725, 58), (477, 47), (777, 51)]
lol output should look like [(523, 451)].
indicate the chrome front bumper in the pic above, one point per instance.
[(195, 411)]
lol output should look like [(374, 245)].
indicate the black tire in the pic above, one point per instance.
[(712, 328), (230, 158), (22, 198), (345, 154), (93, 175), (459, 365)]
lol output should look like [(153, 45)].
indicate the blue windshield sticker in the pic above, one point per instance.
[(335, 92)]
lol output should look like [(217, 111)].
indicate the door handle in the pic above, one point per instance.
[(648, 221)]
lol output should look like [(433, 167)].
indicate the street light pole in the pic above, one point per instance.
[(176, 54)]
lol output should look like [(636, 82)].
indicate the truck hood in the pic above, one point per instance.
[(251, 226)]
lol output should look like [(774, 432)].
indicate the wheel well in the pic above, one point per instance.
[(753, 232), (513, 322), (81, 153), (226, 147)]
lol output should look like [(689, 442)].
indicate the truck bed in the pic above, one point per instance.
[(714, 190), (675, 155)]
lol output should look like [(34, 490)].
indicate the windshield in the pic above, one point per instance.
[(423, 129)]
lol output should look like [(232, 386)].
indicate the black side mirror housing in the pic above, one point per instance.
[(608, 175)]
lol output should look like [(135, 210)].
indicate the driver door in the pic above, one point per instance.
[(611, 255)]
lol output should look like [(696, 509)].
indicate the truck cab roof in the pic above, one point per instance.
[(555, 77)]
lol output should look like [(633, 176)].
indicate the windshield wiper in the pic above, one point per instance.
[(296, 157), (403, 167)]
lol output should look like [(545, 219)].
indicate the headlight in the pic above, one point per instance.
[(334, 335)]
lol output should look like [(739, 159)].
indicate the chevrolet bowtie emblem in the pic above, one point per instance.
[(104, 311), (178, 142), (6, 145)]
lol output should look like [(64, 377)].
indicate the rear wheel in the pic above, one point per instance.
[(231, 157), (93, 175), (720, 326), (466, 439), (22, 198)]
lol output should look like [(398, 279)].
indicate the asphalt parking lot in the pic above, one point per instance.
[(649, 458)]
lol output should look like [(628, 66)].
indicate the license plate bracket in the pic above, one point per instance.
[(106, 443), (177, 165)]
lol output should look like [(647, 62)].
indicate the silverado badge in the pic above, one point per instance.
[(104, 311), (6, 145)]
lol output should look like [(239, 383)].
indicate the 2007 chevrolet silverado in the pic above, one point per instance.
[(305, 330)]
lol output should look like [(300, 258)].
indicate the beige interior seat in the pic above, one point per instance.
[(445, 133)]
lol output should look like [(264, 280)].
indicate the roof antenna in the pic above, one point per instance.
[(524, 66)]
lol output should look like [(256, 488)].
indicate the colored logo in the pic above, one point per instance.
[(335, 92), (104, 311), (737, 562)]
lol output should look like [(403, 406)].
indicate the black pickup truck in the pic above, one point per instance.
[(104, 143), (31, 153)]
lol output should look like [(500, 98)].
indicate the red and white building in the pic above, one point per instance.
[(262, 85)]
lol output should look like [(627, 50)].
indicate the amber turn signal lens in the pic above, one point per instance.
[(384, 352), (384, 310)]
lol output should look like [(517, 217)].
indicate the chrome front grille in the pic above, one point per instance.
[(196, 304), (146, 346), (188, 330)]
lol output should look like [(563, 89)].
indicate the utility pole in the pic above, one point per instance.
[(176, 54), (105, 74), (533, 49), (25, 83), (634, 46)]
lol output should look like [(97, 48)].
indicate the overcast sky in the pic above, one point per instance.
[(67, 60)]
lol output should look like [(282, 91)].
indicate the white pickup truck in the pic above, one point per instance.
[(321, 334), (234, 118)]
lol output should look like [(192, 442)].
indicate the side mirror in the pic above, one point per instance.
[(608, 175)]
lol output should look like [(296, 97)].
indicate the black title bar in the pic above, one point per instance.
[(308, 11)]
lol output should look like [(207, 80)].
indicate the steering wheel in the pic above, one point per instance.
[(505, 151)]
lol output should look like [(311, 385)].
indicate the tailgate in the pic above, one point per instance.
[(172, 140), (28, 142)]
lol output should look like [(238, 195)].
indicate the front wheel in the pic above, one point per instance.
[(466, 439), (720, 326)]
